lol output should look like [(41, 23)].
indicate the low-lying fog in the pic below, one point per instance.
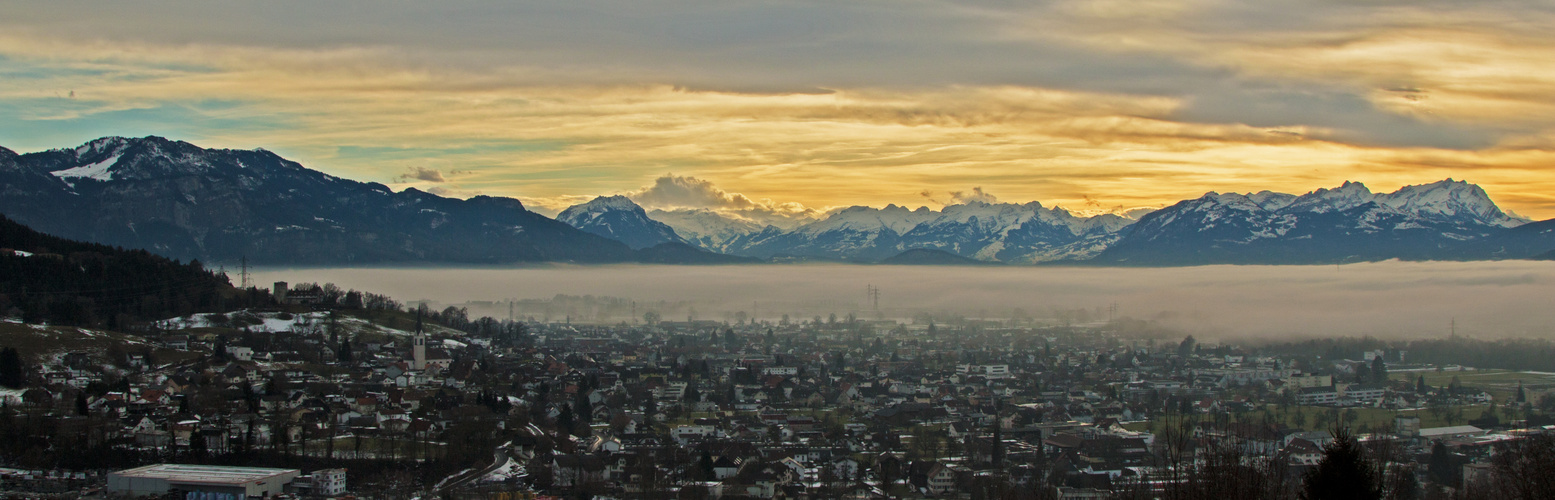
[(1386, 299)]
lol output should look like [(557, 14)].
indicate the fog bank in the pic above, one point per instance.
[(1386, 299)]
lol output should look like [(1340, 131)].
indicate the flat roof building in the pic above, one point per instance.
[(221, 482)]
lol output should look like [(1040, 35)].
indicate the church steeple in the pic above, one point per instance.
[(418, 349)]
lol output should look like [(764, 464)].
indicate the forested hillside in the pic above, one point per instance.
[(48, 279)]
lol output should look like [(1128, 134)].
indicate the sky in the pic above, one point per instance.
[(796, 105)]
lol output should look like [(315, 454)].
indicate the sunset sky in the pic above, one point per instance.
[(1101, 105)]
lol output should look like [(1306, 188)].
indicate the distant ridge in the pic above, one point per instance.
[(681, 253), (931, 257), (186, 202)]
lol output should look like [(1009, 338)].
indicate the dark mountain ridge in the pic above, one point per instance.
[(186, 202)]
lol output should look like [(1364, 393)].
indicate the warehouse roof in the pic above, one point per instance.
[(205, 474)]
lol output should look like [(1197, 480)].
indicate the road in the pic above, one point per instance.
[(498, 458)]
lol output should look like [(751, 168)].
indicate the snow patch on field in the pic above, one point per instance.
[(275, 322), (509, 470), (10, 397)]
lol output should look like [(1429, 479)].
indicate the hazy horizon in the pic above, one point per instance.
[(1385, 299)]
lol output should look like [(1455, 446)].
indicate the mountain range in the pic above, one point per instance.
[(183, 201), (187, 202)]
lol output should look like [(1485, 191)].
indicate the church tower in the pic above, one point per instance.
[(418, 349)]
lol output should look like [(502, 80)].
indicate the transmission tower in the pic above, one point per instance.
[(873, 292), (244, 264)]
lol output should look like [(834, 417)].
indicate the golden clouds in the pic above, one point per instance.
[(517, 130)]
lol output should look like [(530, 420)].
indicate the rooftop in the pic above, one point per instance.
[(205, 474)]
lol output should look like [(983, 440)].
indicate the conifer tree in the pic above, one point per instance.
[(1344, 474), (11, 372)]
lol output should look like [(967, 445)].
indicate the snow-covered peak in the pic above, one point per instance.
[(617, 202), (707, 228), (1449, 199), (578, 214), (1270, 200), (869, 219), (1347, 196), (1235, 201), (101, 145)]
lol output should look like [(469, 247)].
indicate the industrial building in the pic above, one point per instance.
[(216, 481)]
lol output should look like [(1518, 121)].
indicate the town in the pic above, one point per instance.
[(330, 393)]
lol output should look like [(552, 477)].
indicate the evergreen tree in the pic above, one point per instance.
[(81, 406), (705, 466), (564, 421), (1344, 474), (345, 351), (1522, 396), (1379, 370), (583, 410), (219, 352), (1420, 386), (1186, 347), (1439, 467), (12, 374)]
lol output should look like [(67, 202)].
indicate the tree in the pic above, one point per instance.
[(345, 351), (705, 466), (1345, 473), (1186, 347), (1522, 396), (219, 352), (1526, 468), (12, 374), (1379, 370), (564, 421), (1420, 386), (1439, 468)]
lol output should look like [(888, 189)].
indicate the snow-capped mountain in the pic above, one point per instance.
[(852, 234), (186, 202), (618, 218), (999, 232), (707, 228), (1347, 223), (1011, 233), (183, 201)]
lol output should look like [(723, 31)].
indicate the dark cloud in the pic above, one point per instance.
[(975, 196), (421, 174)]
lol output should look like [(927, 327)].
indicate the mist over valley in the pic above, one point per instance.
[(1389, 299)]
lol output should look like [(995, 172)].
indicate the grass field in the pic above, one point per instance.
[(1499, 383), (40, 343)]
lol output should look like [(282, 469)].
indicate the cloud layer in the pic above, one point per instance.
[(1097, 103)]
